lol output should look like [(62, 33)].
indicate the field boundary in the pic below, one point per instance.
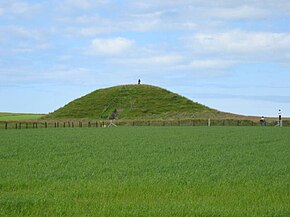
[(132, 123)]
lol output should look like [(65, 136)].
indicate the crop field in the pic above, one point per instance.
[(146, 171)]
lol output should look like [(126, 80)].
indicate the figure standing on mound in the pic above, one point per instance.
[(139, 81)]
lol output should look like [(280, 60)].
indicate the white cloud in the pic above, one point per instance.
[(55, 73), (211, 64), (241, 42), (111, 46), (18, 39), (1, 11), (206, 12), (236, 13), (152, 61), (142, 25), (19, 32), (23, 8), (84, 4), (14, 9), (87, 31), (167, 15)]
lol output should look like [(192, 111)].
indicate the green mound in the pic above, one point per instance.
[(133, 102)]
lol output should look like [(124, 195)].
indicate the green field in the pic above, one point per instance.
[(18, 117), (145, 171)]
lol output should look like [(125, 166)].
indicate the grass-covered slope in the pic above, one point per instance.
[(133, 102)]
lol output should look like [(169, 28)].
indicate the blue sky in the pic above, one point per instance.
[(231, 55)]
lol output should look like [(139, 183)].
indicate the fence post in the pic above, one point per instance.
[(208, 122), (26, 125), (6, 125), (20, 125), (89, 124), (16, 127), (45, 124), (72, 125)]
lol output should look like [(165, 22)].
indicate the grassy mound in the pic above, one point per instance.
[(133, 102)]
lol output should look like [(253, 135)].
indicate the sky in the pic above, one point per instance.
[(231, 55)]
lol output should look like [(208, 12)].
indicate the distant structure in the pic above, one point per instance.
[(139, 81), (263, 121), (114, 114), (112, 117), (279, 118)]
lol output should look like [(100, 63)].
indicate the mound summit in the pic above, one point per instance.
[(134, 102)]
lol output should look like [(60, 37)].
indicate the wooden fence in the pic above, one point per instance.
[(90, 124)]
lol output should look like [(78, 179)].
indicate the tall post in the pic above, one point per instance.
[(279, 118), (208, 122)]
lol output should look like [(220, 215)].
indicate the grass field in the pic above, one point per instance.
[(18, 117), (146, 171)]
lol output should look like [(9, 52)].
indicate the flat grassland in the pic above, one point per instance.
[(145, 171), (18, 117)]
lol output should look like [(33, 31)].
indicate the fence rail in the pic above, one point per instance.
[(90, 124)]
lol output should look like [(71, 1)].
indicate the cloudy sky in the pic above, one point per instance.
[(231, 55)]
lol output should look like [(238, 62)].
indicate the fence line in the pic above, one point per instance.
[(90, 123)]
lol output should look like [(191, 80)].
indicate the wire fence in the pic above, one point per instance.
[(133, 123)]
